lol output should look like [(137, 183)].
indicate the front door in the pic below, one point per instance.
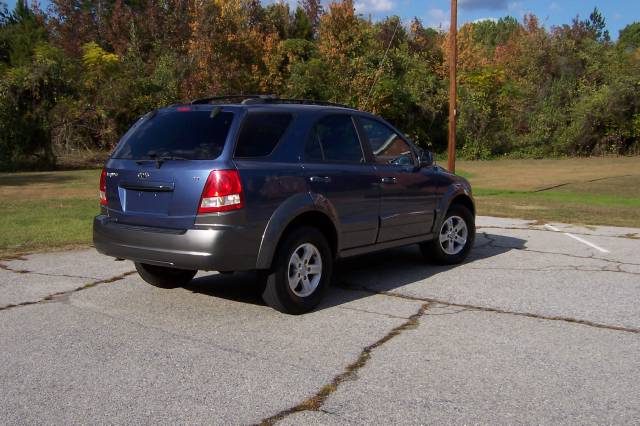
[(407, 192), (335, 168)]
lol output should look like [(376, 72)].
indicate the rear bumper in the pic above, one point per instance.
[(226, 249)]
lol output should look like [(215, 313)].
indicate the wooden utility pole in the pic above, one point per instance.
[(453, 87)]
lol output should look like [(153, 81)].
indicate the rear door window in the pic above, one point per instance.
[(189, 134), (334, 139), (260, 133)]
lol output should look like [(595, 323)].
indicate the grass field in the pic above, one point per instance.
[(590, 191), (44, 210), (50, 210)]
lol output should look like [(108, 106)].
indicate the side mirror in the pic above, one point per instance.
[(426, 158)]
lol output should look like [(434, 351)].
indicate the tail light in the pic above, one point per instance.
[(222, 192), (103, 188)]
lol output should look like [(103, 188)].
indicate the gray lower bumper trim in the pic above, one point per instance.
[(199, 249)]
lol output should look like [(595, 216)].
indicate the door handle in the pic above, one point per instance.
[(320, 179), (388, 180)]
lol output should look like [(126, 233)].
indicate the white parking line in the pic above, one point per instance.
[(582, 240)]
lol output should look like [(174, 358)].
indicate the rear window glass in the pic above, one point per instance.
[(191, 135), (260, 133)]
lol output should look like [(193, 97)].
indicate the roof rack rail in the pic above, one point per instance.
[(265, 99), (309, 102), (211, 99)]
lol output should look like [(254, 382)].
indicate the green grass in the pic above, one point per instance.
[(593, 191), (46, 210), (31, 225), (562, 196), (52, 210)]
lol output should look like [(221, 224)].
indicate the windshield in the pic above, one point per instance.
[(190, 135)]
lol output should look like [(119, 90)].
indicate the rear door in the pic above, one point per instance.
[(335, 166), (156, 174), (407, 192)]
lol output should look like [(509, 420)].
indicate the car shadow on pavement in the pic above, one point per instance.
[(382, 271)]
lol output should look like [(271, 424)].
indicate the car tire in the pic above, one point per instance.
[(301, 272), (164, 277), (454, 237)]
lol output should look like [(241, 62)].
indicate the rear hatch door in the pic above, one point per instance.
[(156, 175)]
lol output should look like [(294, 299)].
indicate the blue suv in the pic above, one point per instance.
[(279, 186)]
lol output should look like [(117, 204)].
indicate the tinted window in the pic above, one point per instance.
[(313, 150), (334, 138), (194, 135), (387, 146), (260, 133)]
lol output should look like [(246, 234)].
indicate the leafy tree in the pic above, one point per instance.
[(597, 24), (27, 95), (490, 33), (309, 80), (301, 26), (4, 41), (225, 50), (76, 76), (314, 11), (342, 43), (630, 36), (277, 19), (32, 78), (22, 31)]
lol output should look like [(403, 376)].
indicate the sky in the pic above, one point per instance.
[(435, 13)]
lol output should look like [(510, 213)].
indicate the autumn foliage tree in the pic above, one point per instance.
[(76, 75)]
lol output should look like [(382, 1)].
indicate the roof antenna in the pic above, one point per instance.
[(378, 72)]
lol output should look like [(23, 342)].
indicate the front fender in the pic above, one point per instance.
[(286, 213), (453, 190)]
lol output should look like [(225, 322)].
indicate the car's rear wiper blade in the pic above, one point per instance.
[(171, 157), (160, 159)]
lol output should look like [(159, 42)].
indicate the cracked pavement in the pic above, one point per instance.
[(535, 327)]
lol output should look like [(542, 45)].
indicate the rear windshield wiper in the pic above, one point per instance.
[(160, 159)]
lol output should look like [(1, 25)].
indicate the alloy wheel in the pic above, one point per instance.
[(305, 270), (453, 235)]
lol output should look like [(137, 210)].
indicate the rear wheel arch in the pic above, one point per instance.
[(300, 210), (315, 219)]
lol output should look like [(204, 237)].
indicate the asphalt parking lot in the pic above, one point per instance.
[(540, 325)]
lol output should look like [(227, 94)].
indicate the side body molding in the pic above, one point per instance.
[(286, 213)]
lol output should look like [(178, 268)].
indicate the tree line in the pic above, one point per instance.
[(76, 75)]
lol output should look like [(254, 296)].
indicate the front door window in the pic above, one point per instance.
[(387, 146)]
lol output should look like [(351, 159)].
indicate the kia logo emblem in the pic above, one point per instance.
[(143, 175)]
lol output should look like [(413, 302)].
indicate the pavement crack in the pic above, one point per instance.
[(603, 259), (26, 271), (63, 295), (372, 312), (559, 268), (315, 402), (492, 243), (430, 300), (15, 271), (432, 314)]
